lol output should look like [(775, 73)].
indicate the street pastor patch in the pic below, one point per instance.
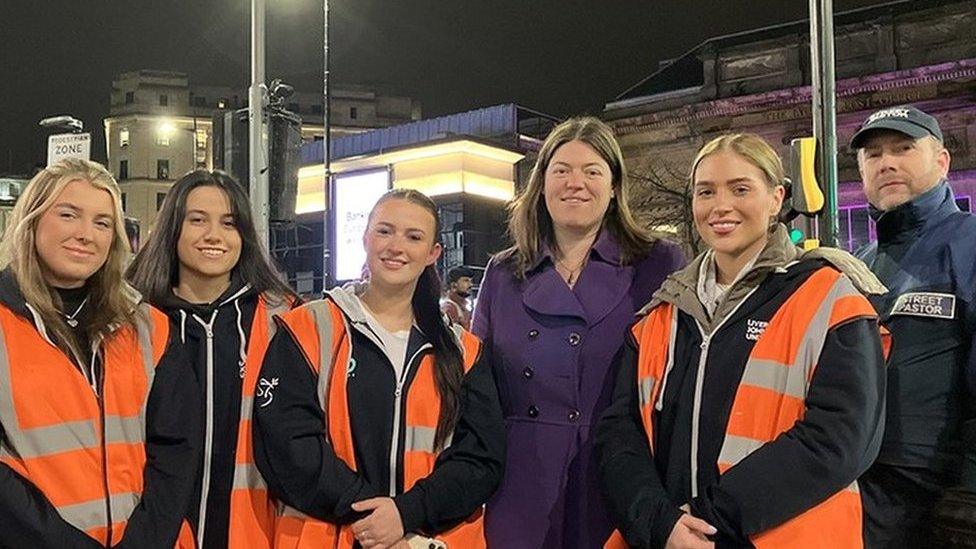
[(927, 304)]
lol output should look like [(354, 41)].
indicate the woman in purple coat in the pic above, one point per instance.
[(553, 309)]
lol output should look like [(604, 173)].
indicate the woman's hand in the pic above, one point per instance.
[(689, 533), (382, 528)]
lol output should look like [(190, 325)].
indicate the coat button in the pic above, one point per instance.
[(574, 339), (533, 411), (533, 334), (527, 372), (574, 415)]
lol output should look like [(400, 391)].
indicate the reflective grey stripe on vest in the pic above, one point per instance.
[(788, 379), (419, 439), (246, 475), (24, 444), (91, 514), (323, 325), (646, 388)]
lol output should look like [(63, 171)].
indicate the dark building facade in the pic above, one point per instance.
[(921, 52)]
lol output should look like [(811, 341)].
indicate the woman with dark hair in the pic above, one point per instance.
[(378, 424), (98, 411), (553, 309), (204, 266)]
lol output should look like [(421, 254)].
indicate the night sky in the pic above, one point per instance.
[(560, 57)]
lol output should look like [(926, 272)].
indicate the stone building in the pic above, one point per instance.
[(921, 52), (160, 127)]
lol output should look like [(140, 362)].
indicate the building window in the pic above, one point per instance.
[(163, 100), (293, 107), (130, 98), (123, 170), (160, 197), (316, 109), (124, 137), (162, 169), (353, 113), (123, 199), (199, 101)]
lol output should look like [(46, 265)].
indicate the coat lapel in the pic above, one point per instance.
[(546, 293)]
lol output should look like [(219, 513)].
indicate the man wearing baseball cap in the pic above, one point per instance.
[(921, 491)]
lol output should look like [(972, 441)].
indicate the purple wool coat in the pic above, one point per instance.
[(551, 351)]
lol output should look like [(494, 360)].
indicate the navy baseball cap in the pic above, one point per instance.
[(905, 119)]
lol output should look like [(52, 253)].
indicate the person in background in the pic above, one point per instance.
[(455, 304), (380, 424), (205, 267), (552, 310), (921, 492), (98, 411)]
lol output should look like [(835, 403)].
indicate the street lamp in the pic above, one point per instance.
[(62, 121)]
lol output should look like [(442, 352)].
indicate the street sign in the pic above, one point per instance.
[(68, 145)]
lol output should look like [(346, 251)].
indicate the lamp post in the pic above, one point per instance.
[(257, 134), (326, 110)]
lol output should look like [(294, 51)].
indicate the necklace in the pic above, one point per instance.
[(71, 319), (574, 273)]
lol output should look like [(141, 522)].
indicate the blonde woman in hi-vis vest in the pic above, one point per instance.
[(98, 412), (749, 394), (377, 425)]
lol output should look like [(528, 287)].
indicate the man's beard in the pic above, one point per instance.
[(459, 293)]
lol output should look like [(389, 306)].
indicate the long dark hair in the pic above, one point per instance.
[(155, 269), (448, 368)]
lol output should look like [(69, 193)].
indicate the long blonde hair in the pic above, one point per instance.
[(112, 300), (752, 148), (529, 222)]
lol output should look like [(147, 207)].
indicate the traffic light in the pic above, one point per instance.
[(803, 193), (796, 236)]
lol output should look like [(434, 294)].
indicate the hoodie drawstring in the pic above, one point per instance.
[(242, 350)]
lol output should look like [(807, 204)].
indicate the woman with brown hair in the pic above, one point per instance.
[(378, 423), (98, 413), (552, 310)]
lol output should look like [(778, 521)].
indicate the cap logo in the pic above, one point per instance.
[(887, 113)]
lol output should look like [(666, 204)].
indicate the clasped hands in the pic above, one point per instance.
[(690, 532), (382, 528)]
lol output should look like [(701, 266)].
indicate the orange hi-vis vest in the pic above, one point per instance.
[(252, 512), (84, 452), (770, 397), (321, 330)]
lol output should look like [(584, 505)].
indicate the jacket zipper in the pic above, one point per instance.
[(397, 401), (699, 385), (101, 412), (208, 440)]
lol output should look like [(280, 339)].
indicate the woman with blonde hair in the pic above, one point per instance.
[(749, 395), (552, 310), (98, 417)]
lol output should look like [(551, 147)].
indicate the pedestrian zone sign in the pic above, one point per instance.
[(68, 145)]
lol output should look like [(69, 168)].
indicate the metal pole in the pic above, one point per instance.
[(825, 112), (326, 111), (257, 136)]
